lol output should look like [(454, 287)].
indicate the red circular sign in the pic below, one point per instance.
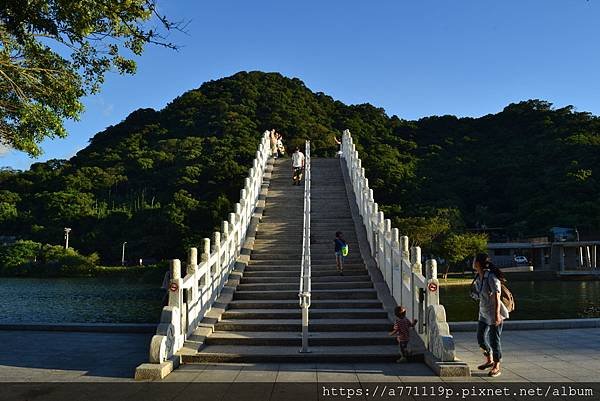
[(432, 287), (173, 287)]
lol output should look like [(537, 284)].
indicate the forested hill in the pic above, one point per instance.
[(162, 180)]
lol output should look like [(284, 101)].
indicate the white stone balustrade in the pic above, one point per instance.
[(190, 297), (401, 268)]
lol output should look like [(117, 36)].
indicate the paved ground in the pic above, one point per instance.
[(62, 356), (540, 355)]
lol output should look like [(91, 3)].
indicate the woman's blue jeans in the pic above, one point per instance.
[(488, 337)]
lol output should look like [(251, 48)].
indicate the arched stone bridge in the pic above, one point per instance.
[(239, 301)]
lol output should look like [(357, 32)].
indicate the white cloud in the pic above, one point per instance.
[(4, 149)]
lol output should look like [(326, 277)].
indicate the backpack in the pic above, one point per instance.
[(506, 296), (345, 250)]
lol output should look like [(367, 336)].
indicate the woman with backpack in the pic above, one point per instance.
[(487, 288)]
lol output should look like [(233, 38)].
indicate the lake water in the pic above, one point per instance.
[(121, 300), (79, 300), (533, 300)]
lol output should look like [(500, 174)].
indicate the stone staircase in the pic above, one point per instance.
[(262, 322)]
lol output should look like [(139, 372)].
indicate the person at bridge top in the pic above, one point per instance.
[(492, 312), (339, 143), (340, 243), (273, 141), (297, 166), (279, 145), (402, 331)]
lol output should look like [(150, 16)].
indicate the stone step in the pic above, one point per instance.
[(359, 293), (339, 313), (281, 354), (249, 279), (292, 325), (295, 249), (315, 237), (332, 338), (314, 268), (316, 259), (318, 263), (319, 303), (294, 286), (324, 274)]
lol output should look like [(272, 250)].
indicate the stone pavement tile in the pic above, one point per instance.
[(340, 372), (102, 379), (206, 392), (539, 374), (377, 372), (295, 391), (219, 373), (530, 358), (588, 364), (420, 379), (370, 377), (178, 377), (263, 373), (573, 355), (297, 372), (585, 379), (412, 369), (469, 379), (505, 377), (191, 368), (249, 391), (298, 367), (564, 368), (576, 374), (552, 379)]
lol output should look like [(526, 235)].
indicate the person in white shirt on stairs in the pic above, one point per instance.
[(297, 166)]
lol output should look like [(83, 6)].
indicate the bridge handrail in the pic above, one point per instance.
[(400, 266), (305, 268), (192, 296)]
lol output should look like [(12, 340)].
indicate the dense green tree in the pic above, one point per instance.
[(457, 248), (53, 52)]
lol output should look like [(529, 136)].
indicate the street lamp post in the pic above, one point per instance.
[(123, 254), (67, 231)]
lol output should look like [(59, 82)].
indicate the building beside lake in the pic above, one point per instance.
[(566, 257)]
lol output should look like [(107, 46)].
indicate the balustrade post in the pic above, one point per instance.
[(404, 247), (193, 292), (433, 285), (373, 229), (235, 242), (380, 242), (242, 211), (226, 262), (216, 250), (417, 269), (368, 209), (387, 250), (395, 263), (405, 273), (209, 278), (176, 295), (415, 260)]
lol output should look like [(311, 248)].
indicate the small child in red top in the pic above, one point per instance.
[(401, 331)]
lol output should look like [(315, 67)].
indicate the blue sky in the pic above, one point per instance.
[(413, 58)]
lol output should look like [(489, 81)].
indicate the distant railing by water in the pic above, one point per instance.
[(400, 267), (191, 296)]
